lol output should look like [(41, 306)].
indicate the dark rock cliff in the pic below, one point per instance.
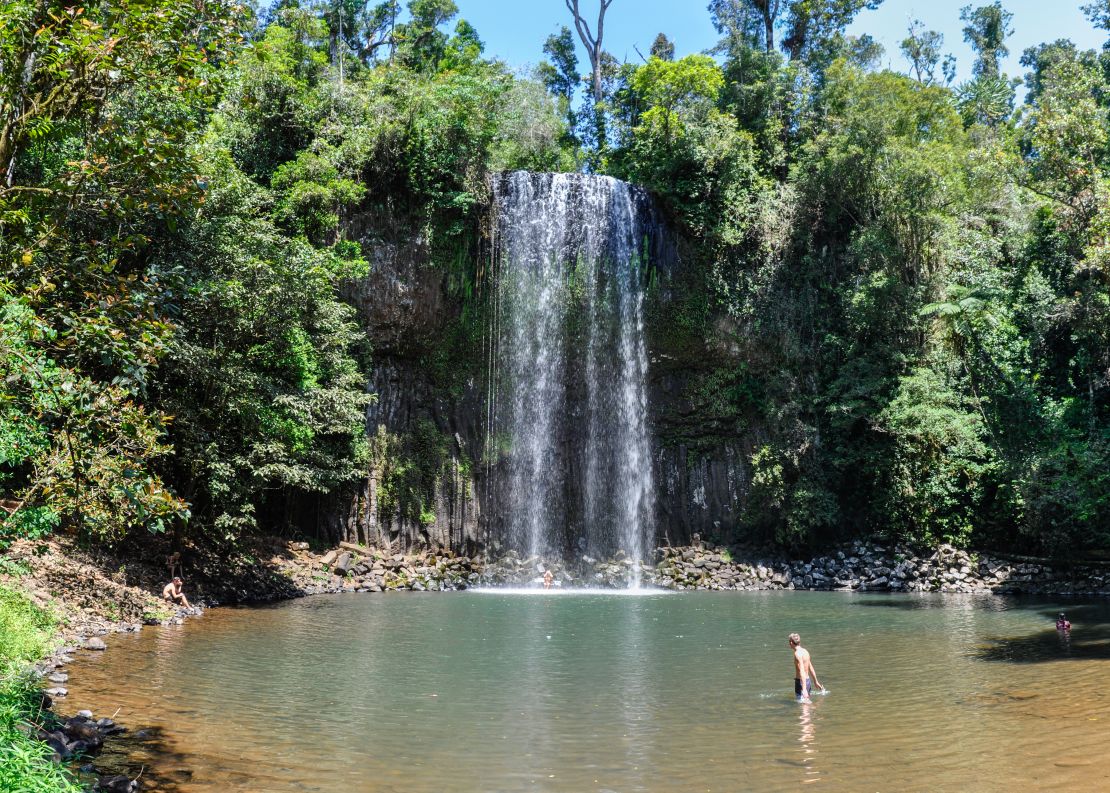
[(427, 484)]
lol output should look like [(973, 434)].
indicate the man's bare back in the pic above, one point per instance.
[(803, 669)]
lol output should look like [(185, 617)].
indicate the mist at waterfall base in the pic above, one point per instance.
[(568, 424)]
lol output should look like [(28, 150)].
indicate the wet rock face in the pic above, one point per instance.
[(414, 424), (116, 784), (405, 306), (699, 492), (401, 302)]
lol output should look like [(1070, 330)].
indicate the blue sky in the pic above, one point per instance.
[(514, 30)]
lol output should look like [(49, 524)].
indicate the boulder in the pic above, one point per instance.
[(116, 784), (81, 747), (95, 643), (57, 742), (342, 565), (86, 731)]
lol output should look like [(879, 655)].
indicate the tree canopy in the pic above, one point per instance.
[(894, 298)]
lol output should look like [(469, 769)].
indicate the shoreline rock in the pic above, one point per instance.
[(877, 567)]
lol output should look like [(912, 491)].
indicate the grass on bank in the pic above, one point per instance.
[(26, 633)]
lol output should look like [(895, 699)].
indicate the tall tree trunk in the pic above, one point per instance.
[(769, 10), (593, 50)]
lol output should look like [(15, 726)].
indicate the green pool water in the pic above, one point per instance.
[(476, 691)]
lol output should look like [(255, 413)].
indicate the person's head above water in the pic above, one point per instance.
[(794, 639)]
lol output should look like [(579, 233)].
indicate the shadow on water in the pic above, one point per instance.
[(1087, 612), (1082, 643), (1089, 639), (906, 602), (145, 754)]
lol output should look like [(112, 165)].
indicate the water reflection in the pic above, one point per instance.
[(807, 737), (638, 709), (683, 693)]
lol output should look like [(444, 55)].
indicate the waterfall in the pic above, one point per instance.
[(568, 365)]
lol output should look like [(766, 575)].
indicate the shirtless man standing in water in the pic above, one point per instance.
[(803, 669)]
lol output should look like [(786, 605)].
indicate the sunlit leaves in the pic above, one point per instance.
[(99, 106)]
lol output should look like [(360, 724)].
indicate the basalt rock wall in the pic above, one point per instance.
[(427, 483), (426, 422)]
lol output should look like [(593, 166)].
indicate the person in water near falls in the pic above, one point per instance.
[(1062, 623), (548, 579), (803, 669), (174, 593)]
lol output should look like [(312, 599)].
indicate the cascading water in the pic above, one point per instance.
[(568, 368)]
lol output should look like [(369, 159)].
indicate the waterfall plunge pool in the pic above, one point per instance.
[(492, 691)]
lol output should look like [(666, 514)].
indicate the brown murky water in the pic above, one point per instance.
[(601, 692)]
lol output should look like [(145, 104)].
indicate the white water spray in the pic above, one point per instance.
[(569, 363)]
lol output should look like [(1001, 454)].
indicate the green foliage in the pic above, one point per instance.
[(685, 149), (1067, 497), (923, 304), (72, 446), (313, 193), (988, 98), (98, 106), (812, 31), (26, 634), (722, 403), (263, 376), (986, 31), (896, 294), (922, 49), (174, 341), (530, 134), (560, 75), (26, 765), (1066, 134), (940, 463), (409, 467), (26, 631)]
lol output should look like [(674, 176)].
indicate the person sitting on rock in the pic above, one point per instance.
[(548, 579), (174, 593)]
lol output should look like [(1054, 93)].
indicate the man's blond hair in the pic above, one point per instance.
[(794, 638)]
